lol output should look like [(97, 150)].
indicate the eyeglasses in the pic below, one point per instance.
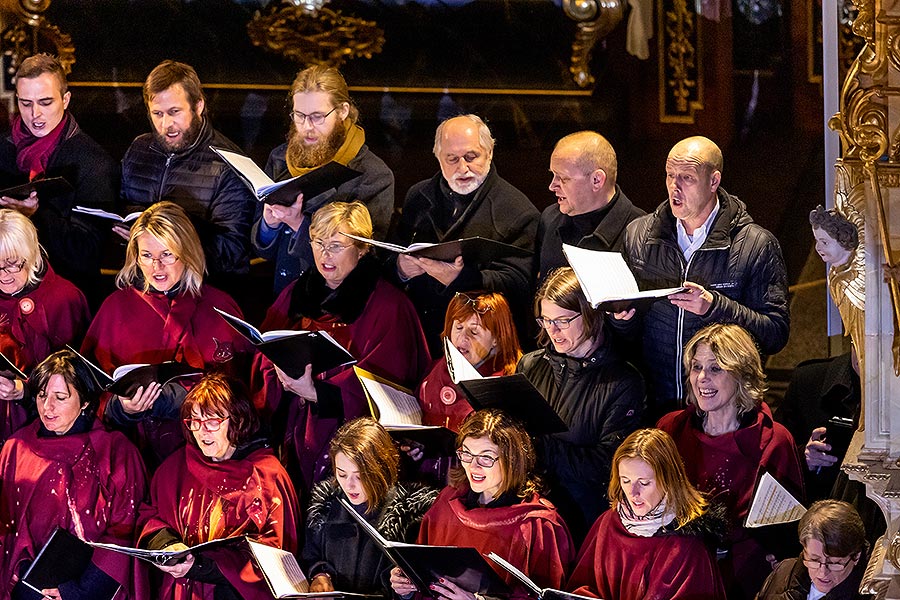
[(474, 302), (315, 118), (330, 249), (831, 566), (166, 258), (211, 424), (563, 323), (13, 268), (482, 460)]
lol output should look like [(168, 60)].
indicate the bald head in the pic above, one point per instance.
[(583, 166), (464, 147), (700, 151), (693, 174)]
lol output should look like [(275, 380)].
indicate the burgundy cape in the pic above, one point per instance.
[(136, 327), (204, 500), (727, 468), (35, 324), (617, 565), (531, 535), (443, 403), (90, 484), (386, 339)]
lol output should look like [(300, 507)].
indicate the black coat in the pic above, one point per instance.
[(499, 212), (337, 545), (197, 179), (73, 242), (740, 263), (556, 229), (601, 399), (790, 581)]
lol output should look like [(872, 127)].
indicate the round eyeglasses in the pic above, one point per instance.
[(482, 460), (315, 118), (211, 424), (166, 258), (330, 249), (473, 302), (562, 323)]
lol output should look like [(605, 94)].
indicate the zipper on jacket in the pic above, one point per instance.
[(165, 173)]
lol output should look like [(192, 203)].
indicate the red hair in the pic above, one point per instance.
[(493, 312)]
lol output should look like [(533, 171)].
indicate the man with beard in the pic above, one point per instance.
[(467, 198), (324, 129), (175, 163), (45, 141)]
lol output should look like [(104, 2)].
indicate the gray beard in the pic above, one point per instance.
[(303, 155)]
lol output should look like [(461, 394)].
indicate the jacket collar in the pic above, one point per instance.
[(732, 214), (311, 298), (203, 137), (433, 194)]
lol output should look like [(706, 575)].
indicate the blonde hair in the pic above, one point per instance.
[(354, 216), (737, 354), (657, 448), (170, 225), (19, 240), (319, 78)]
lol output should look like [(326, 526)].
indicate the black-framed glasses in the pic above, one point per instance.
[(211, 424), (483, 460), (166, 258), (831, 566), (13, 268), (330, 249), (474, 302), (561, 323), (315, 118)]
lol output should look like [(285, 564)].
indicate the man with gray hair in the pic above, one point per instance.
[(467, 198), (591, 210)]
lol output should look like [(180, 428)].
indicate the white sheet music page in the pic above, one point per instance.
[(773, 504)]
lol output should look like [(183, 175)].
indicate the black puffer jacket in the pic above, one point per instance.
[(219, 204), (740, 263), (335, 543), (601, 399)]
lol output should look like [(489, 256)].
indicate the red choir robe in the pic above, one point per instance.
[(727, 467), (35, 323), (530, 534), (615, 564), (369, 317), (443, 403), (204, 500), (90, 484)]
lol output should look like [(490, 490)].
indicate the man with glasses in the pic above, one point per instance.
[(174, 162), (466, 198), (324, 128)]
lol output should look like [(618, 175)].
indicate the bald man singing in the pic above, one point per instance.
[(702, 238)]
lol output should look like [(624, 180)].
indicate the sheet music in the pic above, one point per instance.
[(773, 504), (459, 368), (394, 406), (281, 570)]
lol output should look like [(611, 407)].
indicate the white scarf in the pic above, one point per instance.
[(647, 525)]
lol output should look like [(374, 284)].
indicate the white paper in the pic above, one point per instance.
[(460, 369), (281, 570), (395, 407), (772, 504)]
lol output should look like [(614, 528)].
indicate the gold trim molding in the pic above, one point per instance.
[(27, 32), (680, 63), (594, 20)]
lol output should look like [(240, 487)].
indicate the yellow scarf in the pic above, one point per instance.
[(353, 141)]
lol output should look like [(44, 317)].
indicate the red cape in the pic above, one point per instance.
[(443, 403), (33, 326), (87, 483), (617, 565), (531, 535), (204, 500)]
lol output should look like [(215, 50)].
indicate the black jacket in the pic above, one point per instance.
[(556, 229), (335, 543), (740, 263), (219, 204), (601, 399), (290, 249), (790, 581), (497, 211), (73, 242)]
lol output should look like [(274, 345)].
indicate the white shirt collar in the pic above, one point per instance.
[(690, 243)]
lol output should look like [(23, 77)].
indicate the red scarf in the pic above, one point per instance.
[(32, 152)]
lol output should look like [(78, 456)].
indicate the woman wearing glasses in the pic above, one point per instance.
[(833, 560), (493, 504), (345, 296), (225, 483), (44, 312), (66, 470), (338, 554), (161, 312), (596, 393)]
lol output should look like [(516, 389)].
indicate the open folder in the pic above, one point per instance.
[(475, 250), (425, 564), (290, 350), (9, 369), (607, 282), (63, 558), (45, 188), (311, 184), (126, 379), (541, 594)]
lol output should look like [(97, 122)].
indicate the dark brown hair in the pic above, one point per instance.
[(168, 73), (836, 225), (37, 65), (366, 442), (563, 289), (222, 396), (837, 525), (74, 371)]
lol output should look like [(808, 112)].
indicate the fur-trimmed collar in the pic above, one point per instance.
[(711, 526), (311, 298), (403, 508)]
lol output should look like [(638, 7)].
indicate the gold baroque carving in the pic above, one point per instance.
[(29, 33), (320, 36), (594, 21), (680, 82), (864, 25)]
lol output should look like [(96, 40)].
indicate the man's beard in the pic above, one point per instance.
[(188, 137), (300, 154)]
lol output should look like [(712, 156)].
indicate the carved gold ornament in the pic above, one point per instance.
[(680, 83)]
